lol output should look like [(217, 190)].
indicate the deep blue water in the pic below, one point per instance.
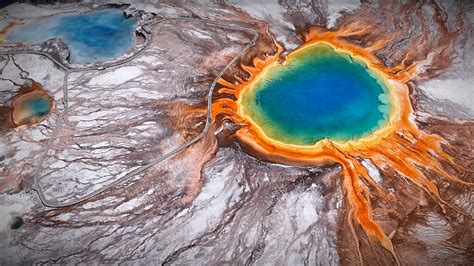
[(318, 94), (95, 36)]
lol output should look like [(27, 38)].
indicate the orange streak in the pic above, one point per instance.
[(6, 30), (400, 144)]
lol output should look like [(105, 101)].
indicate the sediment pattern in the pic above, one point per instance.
[(22, 143), (402, 195), (398, 150)]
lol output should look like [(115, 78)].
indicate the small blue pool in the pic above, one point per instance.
[(38, 106)]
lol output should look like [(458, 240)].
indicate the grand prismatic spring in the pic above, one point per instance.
[(316, 94), (397, 143), (237, 132)]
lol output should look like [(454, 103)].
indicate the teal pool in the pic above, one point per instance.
[(317, 94), (31, 108), (38, 106), (95, 36)]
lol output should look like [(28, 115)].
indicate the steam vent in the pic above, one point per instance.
[(237, 132)]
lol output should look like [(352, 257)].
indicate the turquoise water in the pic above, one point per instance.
[(95, 36), (318, 94), (37, 106)]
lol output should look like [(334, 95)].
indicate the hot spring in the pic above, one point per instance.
[(95, 36), (317, 93), (31, 108)]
